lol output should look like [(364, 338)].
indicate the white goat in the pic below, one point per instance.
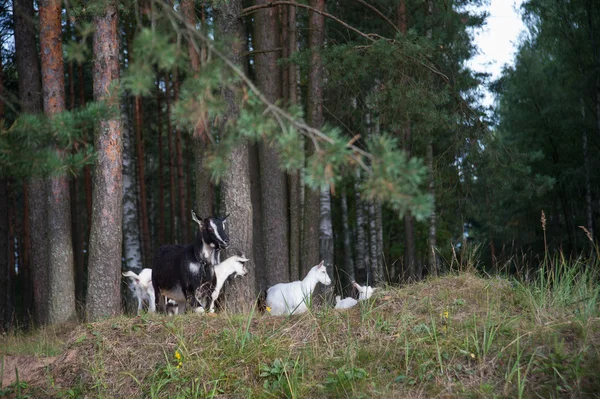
[(141, 285), (235, 265), (363, 293), (288, 298)]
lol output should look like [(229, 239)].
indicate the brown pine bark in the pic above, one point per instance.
[(236, 187), (30, 95), (275, 222), (104, 271), (183, 216), (204, 190), (61, 296)]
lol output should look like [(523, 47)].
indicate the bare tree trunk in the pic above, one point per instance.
[(236, 187), (433, 258), (275, 223), (293, 177), (204, 192), (588, 186), (26, 264), (131, 223), (410, 261), (30, 94), (5, 264), (146, 251), (382, 267), (374, 272), (401, 17), (361, 245), (171, 150), (61, 277), (183, 217), (104, 270), (161, 171), (312, 210), (348, 259)]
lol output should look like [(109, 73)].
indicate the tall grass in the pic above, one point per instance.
[(563, 288)]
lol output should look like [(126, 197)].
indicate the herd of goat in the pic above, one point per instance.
[(194, 274)]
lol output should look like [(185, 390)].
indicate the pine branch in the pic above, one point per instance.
[(376, 11), (278, 113), (253, 9)]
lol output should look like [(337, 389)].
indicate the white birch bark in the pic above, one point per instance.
[(131, 228)]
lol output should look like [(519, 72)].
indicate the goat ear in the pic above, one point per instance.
[(195, 219), (322, 263), (243, 260), (356, 285)]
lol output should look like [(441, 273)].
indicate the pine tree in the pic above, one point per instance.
[(273, 189), (103, 295), (61, 279)]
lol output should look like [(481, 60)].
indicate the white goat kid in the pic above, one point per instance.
[(235, 265), (288, 298), (141, 285), (363, 294)]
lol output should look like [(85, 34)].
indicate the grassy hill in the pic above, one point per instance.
[(460, 335)]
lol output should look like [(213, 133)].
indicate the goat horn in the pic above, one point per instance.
[(226, 216), (195, 218)]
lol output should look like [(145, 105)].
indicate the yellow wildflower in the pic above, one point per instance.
[(268, 309), (446, 314), (177, 355), (472, 356)]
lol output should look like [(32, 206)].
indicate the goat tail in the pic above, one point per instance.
[(261, 301), (131, 275)]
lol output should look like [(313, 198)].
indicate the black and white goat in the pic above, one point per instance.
[(183, 272)]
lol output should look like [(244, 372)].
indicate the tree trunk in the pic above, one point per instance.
[(104, 270), (361, 245), (312, 210), (146, 251), (376, 276), (293, 177), (382, 267), (589, 212), (348, 259), (274, 221), (410, 260), (131, 223), (183, 217), (433, 258), (236, 195), (161, 171), (26, 262), (204, 191), (61, 296), (171, 149), (30, 94), (401, 17), (5, 264)]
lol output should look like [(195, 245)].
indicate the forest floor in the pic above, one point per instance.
[(460, 335)]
